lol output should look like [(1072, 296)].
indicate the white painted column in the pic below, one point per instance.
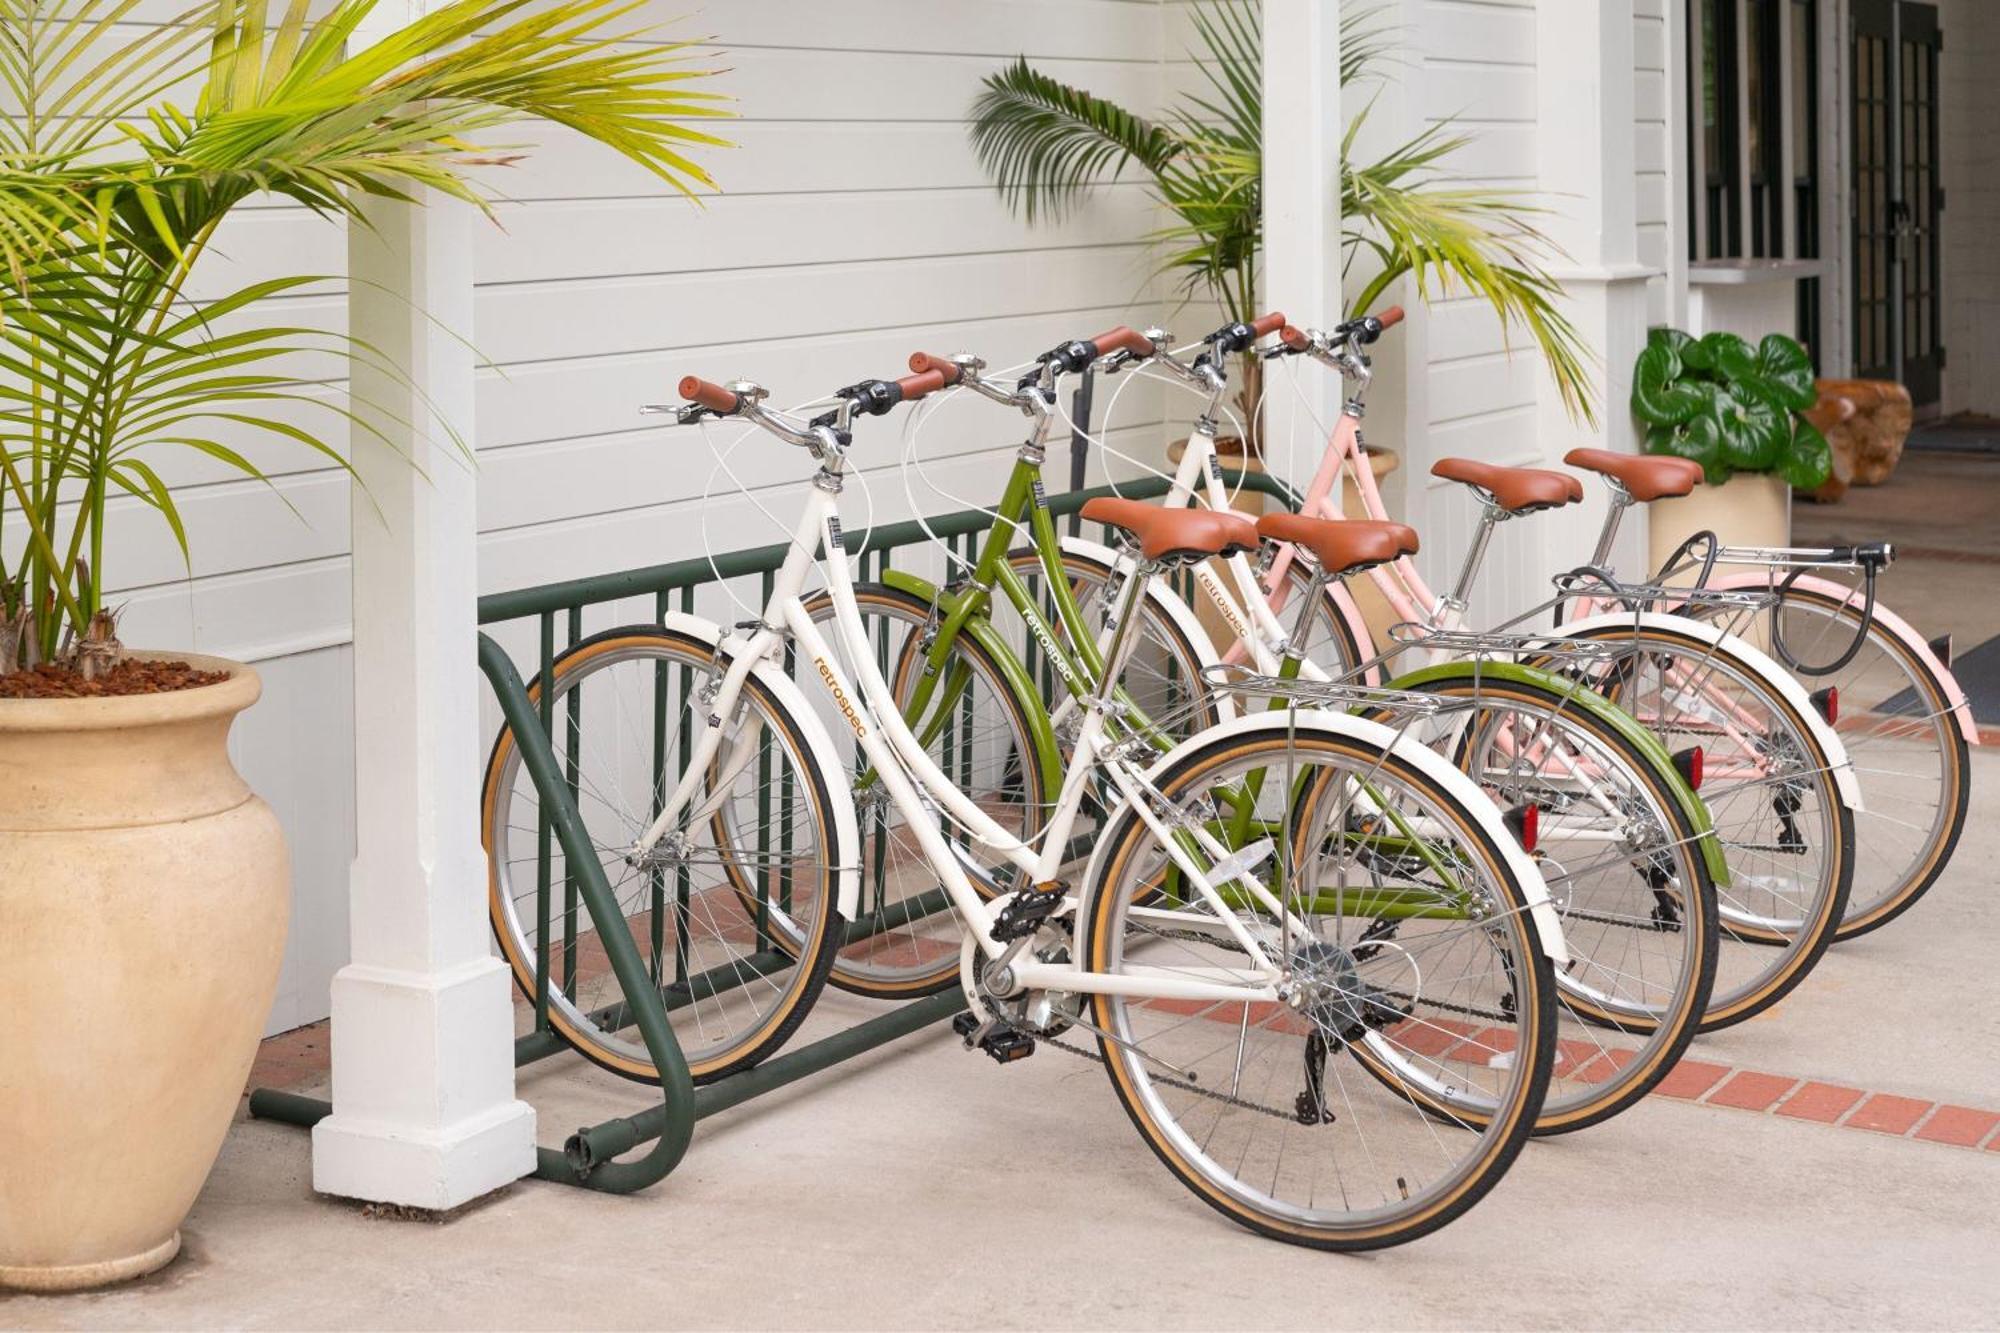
[(1586, 151), (1302, 129), (424, 1112)]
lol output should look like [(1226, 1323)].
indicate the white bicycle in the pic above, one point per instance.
[(1295, 1070)]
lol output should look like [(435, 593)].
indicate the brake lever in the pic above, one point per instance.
[(684, 414)]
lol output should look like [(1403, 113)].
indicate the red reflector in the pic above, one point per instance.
[(1688, 763), (1525, 823), (1827, 701)]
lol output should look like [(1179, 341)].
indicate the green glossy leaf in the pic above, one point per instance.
[(1699, 439), (1806, 461), (1659, 396), (1762, 390), (1784, 365), (1728, 356), (1660, 335), (1752, 434)]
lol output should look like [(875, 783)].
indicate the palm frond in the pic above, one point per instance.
[(1232, 62), (110, 191), (1042, 142), (1462, 239)]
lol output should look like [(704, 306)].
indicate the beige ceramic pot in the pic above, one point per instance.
[(1747, 510), (143, 896)]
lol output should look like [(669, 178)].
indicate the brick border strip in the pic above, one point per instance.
[(1915, 1118)]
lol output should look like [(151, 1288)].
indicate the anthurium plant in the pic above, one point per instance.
[(113, 184), (1729, 406)]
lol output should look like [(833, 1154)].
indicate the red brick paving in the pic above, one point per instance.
[(299, 1057), (1748, 1091), (1888, 1115), (1604, 1066), (1823, 1103), (1690, 1079), (1959, 1126)]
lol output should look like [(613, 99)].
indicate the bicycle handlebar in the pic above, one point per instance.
[(1354, 333), (723, 402), (1125, 339), (1241, 337), (875, 397), (943, 365)]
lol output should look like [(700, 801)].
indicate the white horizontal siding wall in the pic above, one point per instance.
[(1652, 146), (1474, 65), (854, 227), (1969, 170)]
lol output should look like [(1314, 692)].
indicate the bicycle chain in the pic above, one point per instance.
[(1170, 1082)]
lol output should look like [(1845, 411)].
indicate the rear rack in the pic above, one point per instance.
[(1231, 678), (1478, 643)]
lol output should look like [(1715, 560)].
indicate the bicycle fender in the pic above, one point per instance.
[(1899, 628), (1620, 721), (981, 631), (833, 768), (1786, 684), (1548, 925)]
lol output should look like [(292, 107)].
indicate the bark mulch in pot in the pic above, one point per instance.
[(128, 676)]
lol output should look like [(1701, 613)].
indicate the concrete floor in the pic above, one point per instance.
[(926, 1187)]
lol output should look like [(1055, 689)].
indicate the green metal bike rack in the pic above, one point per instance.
[(594, 1157)]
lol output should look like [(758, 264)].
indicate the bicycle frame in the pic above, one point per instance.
[(917, 786), (1757, 567), (1410, 598), (1077, 654)]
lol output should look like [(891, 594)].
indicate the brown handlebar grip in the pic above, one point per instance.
[(1391, 317), (1296, 339), (1265, 325), (711, 396), (913, 387), (923, 361), (1123, 338)]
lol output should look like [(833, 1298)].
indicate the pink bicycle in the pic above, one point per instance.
[(1900, 716), (1779, 785)]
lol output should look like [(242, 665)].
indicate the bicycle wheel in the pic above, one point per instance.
[(904, 940), (1909, 756), (737, 974), (1623, 862), (1250, 1104), (1162, 674), (1786, 835)]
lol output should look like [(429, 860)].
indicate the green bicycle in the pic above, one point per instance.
[(1623, 833)]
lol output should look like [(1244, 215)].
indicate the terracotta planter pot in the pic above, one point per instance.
[(143, 896), (1747, 510)]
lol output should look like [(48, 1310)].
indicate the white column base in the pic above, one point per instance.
[(423, 1090)]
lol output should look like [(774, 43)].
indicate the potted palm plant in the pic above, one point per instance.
[(1044, 142), (142, 884)]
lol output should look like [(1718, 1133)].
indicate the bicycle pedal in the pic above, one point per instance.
[(1006, 1045), (1026, 911), (965, 1023)]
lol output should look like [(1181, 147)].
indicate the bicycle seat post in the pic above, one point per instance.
[(1455, 602), (1621, 500)]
